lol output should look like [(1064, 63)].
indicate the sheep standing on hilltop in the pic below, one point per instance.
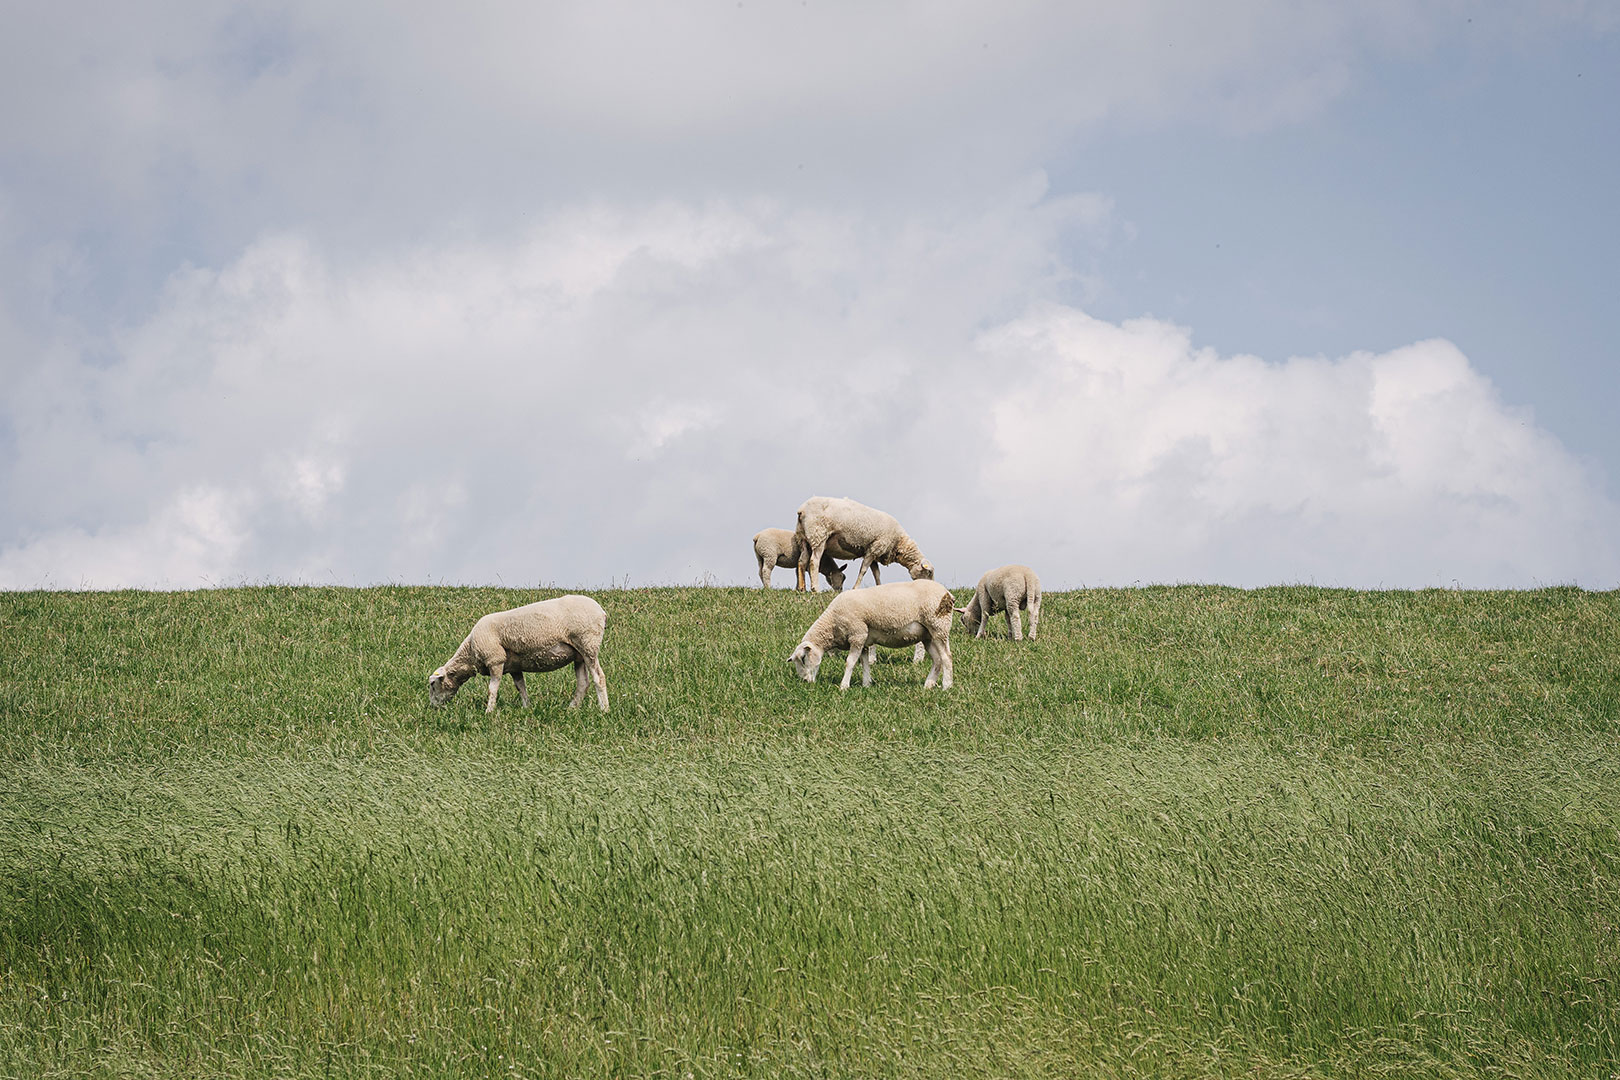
[(780, 547), (536, 637), (892, 615), (847, 529), (1006, 588)]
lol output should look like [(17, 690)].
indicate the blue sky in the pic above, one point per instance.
[(575, 294), (1464, 194)]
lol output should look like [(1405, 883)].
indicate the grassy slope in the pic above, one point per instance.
[(1190, 831)]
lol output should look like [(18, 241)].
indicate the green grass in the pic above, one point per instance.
[(1191, 831)]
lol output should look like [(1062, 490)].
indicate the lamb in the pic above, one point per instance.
[(847, 529), (892, 615), (1006, 588), (780, 547), (536, 637)]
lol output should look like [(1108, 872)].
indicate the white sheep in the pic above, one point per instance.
[(536, 637), (891, 615), (1006, 588), (780, 547), (846, 529)]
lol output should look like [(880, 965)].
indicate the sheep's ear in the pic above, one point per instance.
[(842, 567), (961, 611)]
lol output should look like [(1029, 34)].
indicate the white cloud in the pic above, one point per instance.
[(1135, 456), (193, 539), (659, 425), (369, 120), (308, 483), (636, 389)]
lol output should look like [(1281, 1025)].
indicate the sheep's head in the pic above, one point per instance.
[(922, 570), (442, 686), (970, 618), (835, 576), (806, 660)]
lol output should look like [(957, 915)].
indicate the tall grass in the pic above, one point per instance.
[(1189, 832)]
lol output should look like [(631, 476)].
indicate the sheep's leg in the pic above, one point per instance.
[(523, 690), (495, 673), (868, 562), (945, 652), (877, 579), (813, 565), (983, 596), (933, 668), (601, 683), (798, 585), (917, 653), (582, 679), (856, 647), (1034, 615), (1015, 628), (765, 568), (867, 656)]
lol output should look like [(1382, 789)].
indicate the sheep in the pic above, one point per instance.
[(536, 637), (780, 547), (846, 529), (892, 615), (1006, 588)]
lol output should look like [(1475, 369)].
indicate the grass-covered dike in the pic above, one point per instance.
[(1191, 831)]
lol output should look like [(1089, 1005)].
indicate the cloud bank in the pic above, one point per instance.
[(579, 294), (628, 391)]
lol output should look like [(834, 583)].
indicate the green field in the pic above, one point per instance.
[(1191, 831)]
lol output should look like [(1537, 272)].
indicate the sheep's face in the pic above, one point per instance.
[(970, 618), (924, 570), (835, 577), (806, 660), (441, 688)]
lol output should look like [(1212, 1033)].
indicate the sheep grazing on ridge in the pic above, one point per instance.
[(1006, 588), (892, 615), (846, 529), (780, 547), (536, 637)]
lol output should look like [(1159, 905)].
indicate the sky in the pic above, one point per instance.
[(584, 295)]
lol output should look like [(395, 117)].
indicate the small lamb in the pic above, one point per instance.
[(780, 547), (536, 637), (892, 615), (1006, 588), (847, 529)]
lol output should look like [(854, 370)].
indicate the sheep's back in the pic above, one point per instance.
[(776, 542), (893, 605), (858, 524), (533, 627), (995, 583)]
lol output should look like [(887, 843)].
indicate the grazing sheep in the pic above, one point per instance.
[(536, 637), (847, 529), (892, 615), (1006, 588), (780, 547)]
